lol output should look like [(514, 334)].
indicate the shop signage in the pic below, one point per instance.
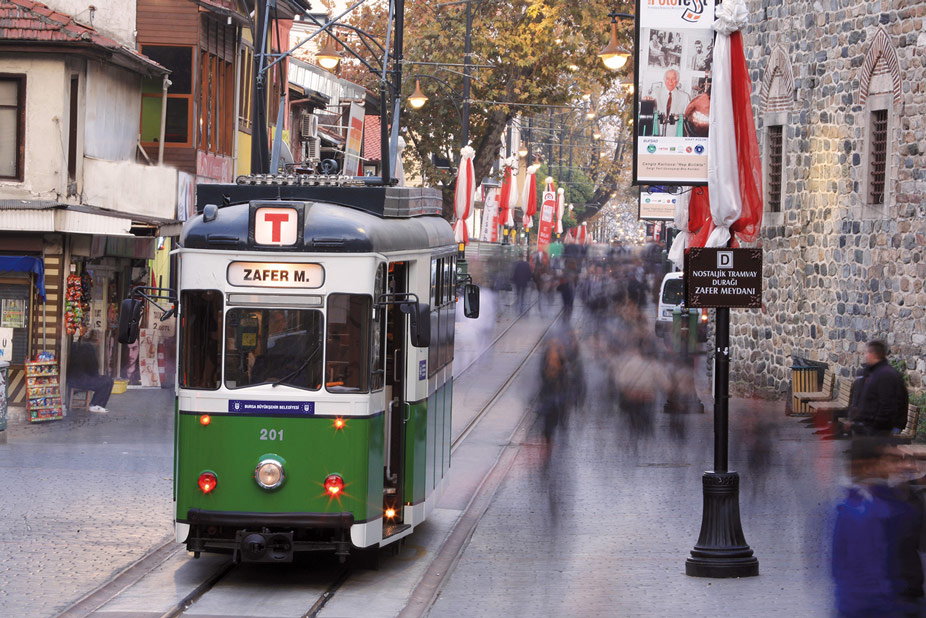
[(6, 345), (352, 165), (275, 275), (729, 278), (672, 101)]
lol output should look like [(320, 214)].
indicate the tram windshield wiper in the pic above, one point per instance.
[(295, 371)]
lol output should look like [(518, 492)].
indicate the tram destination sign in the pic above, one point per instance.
[(276, 275), (730, 278)]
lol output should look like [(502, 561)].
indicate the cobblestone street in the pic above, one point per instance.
[(83, 498)]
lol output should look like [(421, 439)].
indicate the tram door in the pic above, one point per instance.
[(397, 281)]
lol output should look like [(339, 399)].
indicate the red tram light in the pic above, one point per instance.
[(207, 482), (340, 423), (205, 419), (334, 485)]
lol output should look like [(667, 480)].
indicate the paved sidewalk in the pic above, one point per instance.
[(601, 524)]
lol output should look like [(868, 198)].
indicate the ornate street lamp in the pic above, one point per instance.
[(613, 55), (329, 56), (417, 99)]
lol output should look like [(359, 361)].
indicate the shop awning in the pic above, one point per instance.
[(38, 216), (25, 264)]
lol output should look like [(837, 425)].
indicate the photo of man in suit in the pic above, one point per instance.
[(671, 103)]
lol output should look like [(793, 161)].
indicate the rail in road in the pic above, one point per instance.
[(223, 588)]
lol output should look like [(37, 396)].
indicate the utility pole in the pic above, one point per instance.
[(260, 162), (467, 60)]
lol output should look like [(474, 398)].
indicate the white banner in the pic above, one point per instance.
[(674, 67)]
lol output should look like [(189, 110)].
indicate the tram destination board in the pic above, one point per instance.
[(730, 278)]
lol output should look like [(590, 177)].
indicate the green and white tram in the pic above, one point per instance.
[(315, 358)]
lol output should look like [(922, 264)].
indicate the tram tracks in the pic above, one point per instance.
[(93, 602)]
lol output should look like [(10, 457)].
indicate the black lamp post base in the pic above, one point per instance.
[(721, 550)]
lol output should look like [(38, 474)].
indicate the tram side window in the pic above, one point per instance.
[(378, 336), (434, 348), (200, 338), (273, 345), (347, 363)]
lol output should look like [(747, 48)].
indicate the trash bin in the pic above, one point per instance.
[(806, 376), (4, 374), (685, 322)]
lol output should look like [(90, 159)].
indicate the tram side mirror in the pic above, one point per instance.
[(419, 318), (129, 320), (471, 300)]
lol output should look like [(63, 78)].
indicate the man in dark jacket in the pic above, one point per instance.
[(84, 372), (883, 400), (521, 276)]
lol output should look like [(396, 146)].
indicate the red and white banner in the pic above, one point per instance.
[(529, 196), (504, 200), (490, 217), (734, 167), (463, 194), (547, 216)]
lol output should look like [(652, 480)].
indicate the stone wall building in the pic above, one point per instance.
[(839, 88)]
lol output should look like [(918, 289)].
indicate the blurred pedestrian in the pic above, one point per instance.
[(553, 386), (84, 371), (521, 277), (567, 292), (875, 560), (883, 399)]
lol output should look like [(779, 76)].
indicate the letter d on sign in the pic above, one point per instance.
[(724, 259)]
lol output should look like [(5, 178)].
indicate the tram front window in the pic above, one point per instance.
[(273, 346)]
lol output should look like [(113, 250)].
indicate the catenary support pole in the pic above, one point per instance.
[(467, 61)]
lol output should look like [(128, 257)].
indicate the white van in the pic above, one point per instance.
[(671, 296)]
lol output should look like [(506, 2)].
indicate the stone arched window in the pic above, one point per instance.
[(777, 92), (776, 99), (879, 96)]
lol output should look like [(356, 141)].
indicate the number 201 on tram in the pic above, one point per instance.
[(315, 349)]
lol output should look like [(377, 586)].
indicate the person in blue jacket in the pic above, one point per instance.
[(875, 560)]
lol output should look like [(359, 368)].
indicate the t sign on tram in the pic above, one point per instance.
[(276, 226)]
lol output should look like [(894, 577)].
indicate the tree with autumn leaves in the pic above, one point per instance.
[(533, 53)]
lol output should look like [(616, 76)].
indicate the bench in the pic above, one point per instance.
[(841, 403), (801, 399)]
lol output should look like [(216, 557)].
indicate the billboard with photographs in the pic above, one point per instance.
[(675, 46), (657, 203)]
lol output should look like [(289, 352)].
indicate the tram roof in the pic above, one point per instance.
[(334, 220)]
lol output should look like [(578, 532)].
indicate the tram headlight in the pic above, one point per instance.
[(269, 474)]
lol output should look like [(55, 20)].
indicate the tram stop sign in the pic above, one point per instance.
[(730, 278)]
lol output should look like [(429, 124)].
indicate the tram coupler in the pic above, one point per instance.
[(263, 547), (342, 548)]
